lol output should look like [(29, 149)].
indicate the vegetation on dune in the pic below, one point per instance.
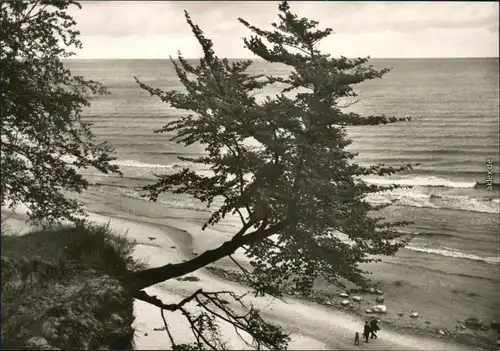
[(65, 286), (279, 163)]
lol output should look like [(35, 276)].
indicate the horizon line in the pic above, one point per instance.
[(260, 59)]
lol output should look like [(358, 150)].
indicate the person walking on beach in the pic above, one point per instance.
[(373, 328), (356, 338), (366, 331)]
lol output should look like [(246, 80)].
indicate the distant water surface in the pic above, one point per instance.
[(454, 105)]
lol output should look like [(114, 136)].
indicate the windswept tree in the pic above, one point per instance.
[(280, 164), (44, 140)]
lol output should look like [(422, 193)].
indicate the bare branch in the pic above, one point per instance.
[(166, 328), (198, 334), (245, 272), (153, 300)]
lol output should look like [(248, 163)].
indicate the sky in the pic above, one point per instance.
[(157, 29)]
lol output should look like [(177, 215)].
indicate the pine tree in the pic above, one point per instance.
[(296, 183)]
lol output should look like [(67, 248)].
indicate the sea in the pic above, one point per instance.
[(453, 135)]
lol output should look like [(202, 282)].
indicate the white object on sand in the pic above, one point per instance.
[(379, 308), (345, 302), (368, 311), (344, 295), (414, 315), (356, 298)]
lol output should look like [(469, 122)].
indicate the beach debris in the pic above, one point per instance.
[(151, 238), (495, 326), (401, 314), (145, 334), (379, 299), (484, 327), (37, 343), (344, 302), (356, 298), (159, 329), (189, 279), (371, 290), (328, 303), (351, 305), (414, 314), (427, 322), (173, 247), (441, 332), (379, 309), (368, 311), (379, 292), (344, 295), (473, 323), (462, 326)]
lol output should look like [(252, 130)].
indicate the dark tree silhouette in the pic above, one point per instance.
[(298, 183), (44, 140)]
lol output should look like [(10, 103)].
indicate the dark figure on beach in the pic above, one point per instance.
[(366, 331), (373, 328), (356, 338)]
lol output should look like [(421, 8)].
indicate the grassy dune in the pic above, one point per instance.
[(65, 288)]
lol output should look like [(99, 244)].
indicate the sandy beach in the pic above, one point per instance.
[(312, 326)]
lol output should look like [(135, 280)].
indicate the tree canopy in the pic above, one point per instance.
[(279, 163), (44, 139)]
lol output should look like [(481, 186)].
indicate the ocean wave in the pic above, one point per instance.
[(415, 198), (138, 164), (447, 252), (430, 181), (432, 234), (186, 204)]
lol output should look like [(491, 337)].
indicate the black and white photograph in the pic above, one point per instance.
[(250, 175)]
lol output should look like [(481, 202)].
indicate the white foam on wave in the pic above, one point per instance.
[(420, 181), (134, 163), (430, 181), (415, 198), (447, 252)]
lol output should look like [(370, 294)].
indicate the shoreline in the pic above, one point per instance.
[(173, 244), (329, 303)]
